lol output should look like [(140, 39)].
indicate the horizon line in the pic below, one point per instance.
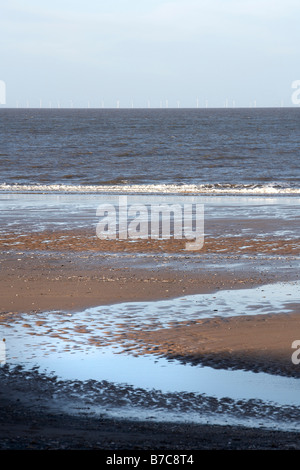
[(146, 108)]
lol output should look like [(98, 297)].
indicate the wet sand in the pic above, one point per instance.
[(40, 273), (41, 282), (74, 269), (86, 240), (27, 424), (261, 343)]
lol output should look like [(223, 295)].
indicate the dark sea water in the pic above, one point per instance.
[(164, 150)]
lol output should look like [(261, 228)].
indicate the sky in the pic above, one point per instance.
[(149, 53)]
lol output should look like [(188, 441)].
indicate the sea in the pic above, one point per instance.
[(207, 151)]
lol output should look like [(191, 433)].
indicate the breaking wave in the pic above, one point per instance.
[(238, 189)]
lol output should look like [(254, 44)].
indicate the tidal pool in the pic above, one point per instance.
[(83, 347)]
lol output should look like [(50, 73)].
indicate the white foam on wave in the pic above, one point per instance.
[(267, 189)]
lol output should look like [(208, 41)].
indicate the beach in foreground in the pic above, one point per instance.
[(38, 277)]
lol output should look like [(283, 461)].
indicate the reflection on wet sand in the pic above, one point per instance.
[(118, 344)]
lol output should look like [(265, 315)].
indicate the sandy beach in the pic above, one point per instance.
[(39, 272)]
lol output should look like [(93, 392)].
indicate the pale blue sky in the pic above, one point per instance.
[(149, 52)]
